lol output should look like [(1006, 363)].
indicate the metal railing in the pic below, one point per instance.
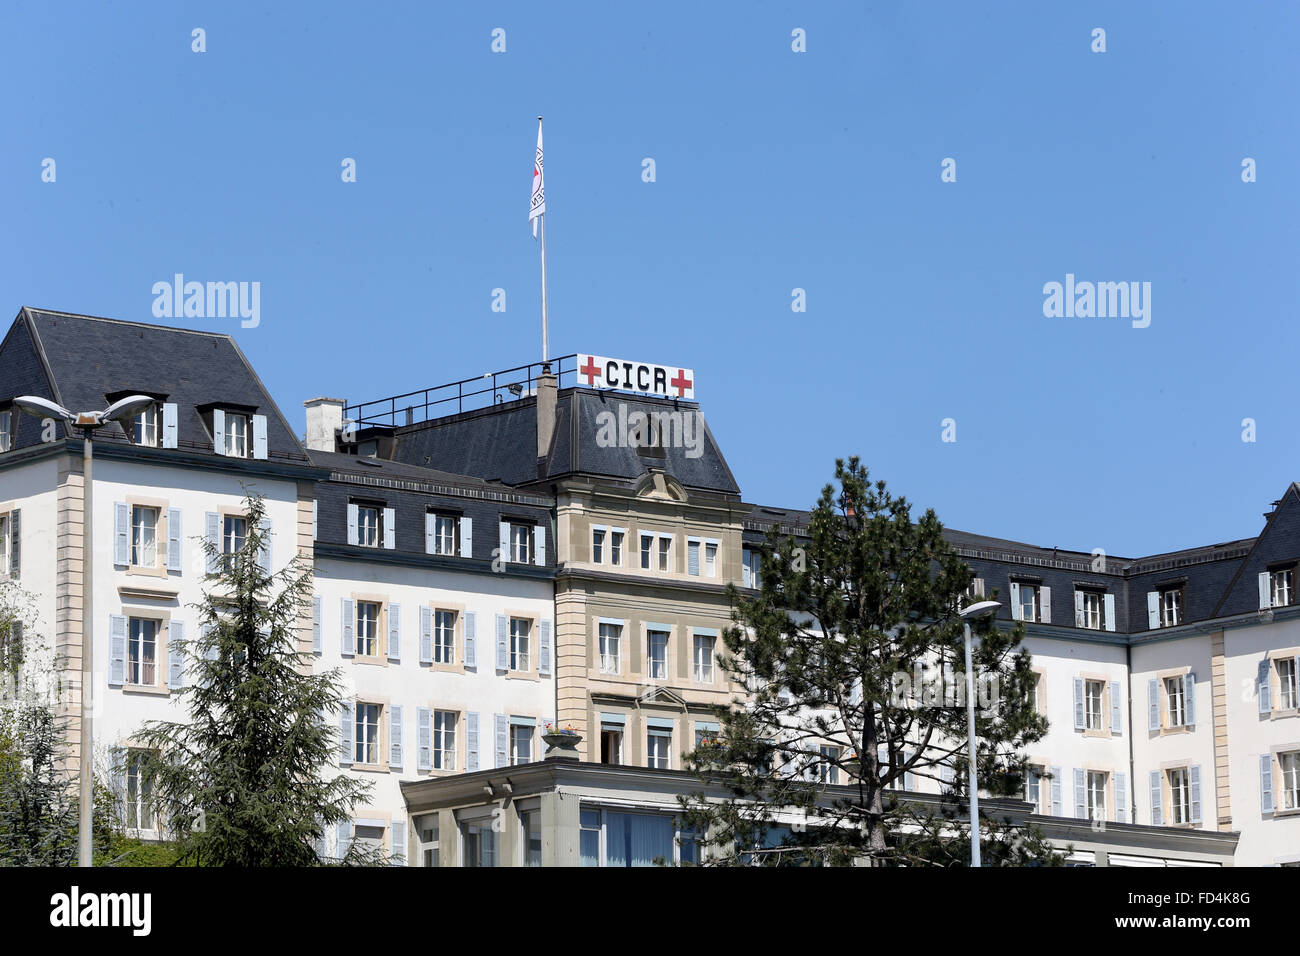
[(490, 388)]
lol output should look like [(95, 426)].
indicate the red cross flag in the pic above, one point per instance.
[(538, 206)]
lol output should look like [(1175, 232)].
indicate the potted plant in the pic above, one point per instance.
[(560, 741)]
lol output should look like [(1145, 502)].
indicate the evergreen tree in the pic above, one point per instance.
[(247, 779), (827, 652)]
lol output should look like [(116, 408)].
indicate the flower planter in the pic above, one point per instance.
[(562, 746)]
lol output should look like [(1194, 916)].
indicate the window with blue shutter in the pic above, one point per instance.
[(504, 543), (345, 734), (467, 537), (1189, 693), (121, 533), (344, 837), (1116, 709), (219, 431), (471, 741), (1078, 704), (397, 843), (116, 650), (1153, 705), (212, 537), (395, 633), (1080, 794), (471, 639), (503, 642), (1121, 798), (544, 648), (174, 538), (1157, 799), (169, 434), (693, 556), (1194, 784), (1266, 783), (1056, 792), (353, 522), (347, 632), (395, 737), (259, 437), (317, 642), (424, 738), (501, 736), (175, 655), (1264, 687), (390, 528), (1110, 612), (539, 544), (426, 635), (264, 552), (1265, 592)]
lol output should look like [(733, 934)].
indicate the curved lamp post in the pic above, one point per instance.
[(968, 614), (120, 411)]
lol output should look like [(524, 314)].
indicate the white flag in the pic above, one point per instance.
[(538, 206)]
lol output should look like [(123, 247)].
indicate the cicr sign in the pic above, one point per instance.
[(668, 381)]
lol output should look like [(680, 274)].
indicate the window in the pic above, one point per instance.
[(647, 551), (610, 639), (657, 647), (444, 740), (427, 827), (521, 743), (6, 430), (446, 534), (369, 837), (1034, 701), (444, 637), (144, 537), (611, 742), (1281, 586), (1094, 690), (519, 631), (1096, 795), (139, 792), (530, 821), (1286, 682), (665, 552), (1290, 763), (368, 628), (521, 543), (366, 737), (480, 842), (142, 652), (232, 538), (369, 518), (658, 742), (1090, 610), (236, 435), (589, 839), (1176, 695), (711, 559), (627, 839), (1037, 789), (1180, 796), (693, 557), (1028, 602), (827, 771), (704, 658), (616, 548), (598, 546), (1171, 607), (750, 559), (145, 427)]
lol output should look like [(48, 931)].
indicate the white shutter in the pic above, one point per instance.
[(1265, 597), (348, 612), (426, 635), (539, 544), (1121, 798), (353, 536), (259, 437), (175, 655), (395, 633), (397, 843), (1045, 605), (430, 532), (1078, 608), (1189, 695), (505, 540), (174, 538), (169, 425), (503, 643), (1116, 709), (345, 734), (502, 738), (264, 552), (1015, 601), (467, 537), (544, 649), (424, 739), (116, 650), (1264, 684), (1157, 799), (1080, 795), (1110, 612), (121, 533), (1079, 718), (1194, 784), (1153, 704), (1056, 792), (218, 431), (1153, 609), (471, 741), (1266, 783), (395, 737), (390, 528), (471, 639)]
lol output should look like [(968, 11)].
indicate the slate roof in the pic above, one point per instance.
[(78, 360)]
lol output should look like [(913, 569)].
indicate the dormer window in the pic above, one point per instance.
[(236, 436), (6, 429), (145, 427), (237, 433)]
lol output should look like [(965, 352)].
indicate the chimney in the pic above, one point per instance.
[(545, 411), (324, 422)]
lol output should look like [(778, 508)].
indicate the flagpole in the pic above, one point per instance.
[(542, 226)]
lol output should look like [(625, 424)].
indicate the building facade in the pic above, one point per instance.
[(490, 556)]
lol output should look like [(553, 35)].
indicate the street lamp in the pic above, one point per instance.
[(968, 614), (120, 411)]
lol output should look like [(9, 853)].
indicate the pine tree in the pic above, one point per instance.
[(823, 649), (246, 780)]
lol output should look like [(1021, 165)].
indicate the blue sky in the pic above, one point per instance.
[(775, 170)]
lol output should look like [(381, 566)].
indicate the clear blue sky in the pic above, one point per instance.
[(775, 170)]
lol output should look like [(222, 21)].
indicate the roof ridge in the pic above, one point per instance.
[(146, 325)]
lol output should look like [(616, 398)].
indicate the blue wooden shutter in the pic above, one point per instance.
[(502, 738), (169, 425), (1153, 704), (212, 535), (348, 612), (1109, 602), (1153, 609), (219, 431), (353, 521), (1157, 799), (1080, 797), (395, 737), (1265, 690), (539, 544), (1194, 784), (259, 437), (1045, 605), (1265, 593), (544, 648), (390, 529), (471, 639), (395, 633), (505, 541), (175, 654), (430, 533), (693, 557), (264, 552), (116, 650), (345, 734), (1189, 694), (426, 635), (174, 538), (1266, 783), (397, 843), (424, 739), (471, 741), (1121, 798), (1056, 792), (317, 642), (121, 533), (1016, 610), (1079, 720), (344, 832), (467, 537), (1116, 711), (503, 643)]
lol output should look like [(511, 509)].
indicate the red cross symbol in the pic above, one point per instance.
[(591, 370), (681, 382)]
